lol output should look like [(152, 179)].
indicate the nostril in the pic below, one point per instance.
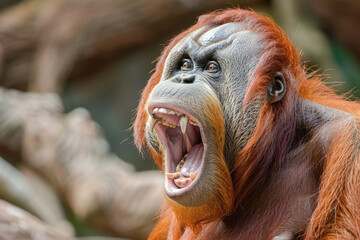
[(188, 79), (176, 80)]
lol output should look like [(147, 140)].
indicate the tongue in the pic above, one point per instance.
[(193, 160)]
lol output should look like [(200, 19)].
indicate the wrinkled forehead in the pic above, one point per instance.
[(227, 39), (216, 34)]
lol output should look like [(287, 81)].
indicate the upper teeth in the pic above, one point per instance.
[(183, 119), (164, 110)]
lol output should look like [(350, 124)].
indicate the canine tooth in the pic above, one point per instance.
[(152, 123), (162, 110), (192, 175), (172, 175), (183, 123)]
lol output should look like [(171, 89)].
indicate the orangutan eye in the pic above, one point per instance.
[(212, 67), (186, 64)]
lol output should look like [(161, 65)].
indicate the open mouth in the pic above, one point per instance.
[(180, 135)]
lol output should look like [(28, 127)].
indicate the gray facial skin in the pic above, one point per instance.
[(236, 50)]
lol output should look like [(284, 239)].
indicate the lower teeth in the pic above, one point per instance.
[(182, 181), (186, 176), (173, 175), (181, 163)]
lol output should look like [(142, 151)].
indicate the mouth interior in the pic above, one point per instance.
[(184, 149)]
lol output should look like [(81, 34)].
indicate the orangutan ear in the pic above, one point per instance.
[(276, 89)]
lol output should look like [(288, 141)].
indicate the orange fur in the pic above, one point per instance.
[(337, 213), (163, 226)]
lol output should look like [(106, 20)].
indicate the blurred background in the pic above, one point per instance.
[(71, 75)]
